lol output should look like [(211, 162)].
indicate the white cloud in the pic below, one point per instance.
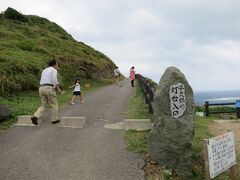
[(200, 37)]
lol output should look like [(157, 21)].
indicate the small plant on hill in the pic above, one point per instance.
[(28, 42), (11, 13)]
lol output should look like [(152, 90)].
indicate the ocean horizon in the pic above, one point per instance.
[(216, 96)]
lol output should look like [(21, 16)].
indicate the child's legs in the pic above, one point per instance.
[(73, 98), (80, 96), (81, 99)]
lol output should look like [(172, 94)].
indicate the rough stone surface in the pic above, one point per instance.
[(220, 121), (74, 122), (118, 125), (170, 140), (131, 124), (48, 151), (25, 120), (137, 124), (4, 112)]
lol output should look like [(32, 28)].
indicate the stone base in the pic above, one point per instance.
[(119, 125), (228, 116), (220, 121), (25, 121), (131, 124), (73, 122), (201, 114), (137, 124)]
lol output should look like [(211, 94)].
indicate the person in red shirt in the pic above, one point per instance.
[(132, 75)]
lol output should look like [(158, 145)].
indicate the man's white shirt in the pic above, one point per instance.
[(116, 72), (49, 76)]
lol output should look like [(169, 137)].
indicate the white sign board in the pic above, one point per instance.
[(177, 100), (221, 153)]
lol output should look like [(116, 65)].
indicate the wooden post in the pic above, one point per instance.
[(206, 108), (140, 81), (238, 112), (205, 151), (147, 94), (150, 109), (150, 100), (147, 88), (233, 172), (150, 94), (2, 87), (233, 169)]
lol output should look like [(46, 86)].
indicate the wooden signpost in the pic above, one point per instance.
[(219, 155)]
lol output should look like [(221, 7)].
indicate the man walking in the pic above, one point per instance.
[(47, 93)]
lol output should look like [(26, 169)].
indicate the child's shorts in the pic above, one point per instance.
[(77, 93)]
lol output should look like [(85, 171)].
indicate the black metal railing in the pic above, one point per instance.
[(148, 88), (208, 112)]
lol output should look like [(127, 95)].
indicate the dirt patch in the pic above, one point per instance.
[(153, 171), (156, 172), (220, 128)]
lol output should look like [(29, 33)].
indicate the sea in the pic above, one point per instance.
[(216, 96)]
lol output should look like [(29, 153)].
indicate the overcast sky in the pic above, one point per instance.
[(200, 37)]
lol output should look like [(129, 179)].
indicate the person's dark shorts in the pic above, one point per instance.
[(77, 93)]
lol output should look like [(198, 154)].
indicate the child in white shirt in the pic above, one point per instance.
[(76, 91)]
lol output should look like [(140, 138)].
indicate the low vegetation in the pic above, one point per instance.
[(29, 41), (138, 109), (215, 108), (27, 44), (138, 142), (26, 103)]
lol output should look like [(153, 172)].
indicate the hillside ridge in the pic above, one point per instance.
[(28, 42)]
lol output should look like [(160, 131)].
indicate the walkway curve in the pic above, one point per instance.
[(93, 153)]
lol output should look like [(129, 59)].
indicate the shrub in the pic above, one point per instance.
[(26, 45), (11, 13), (199, 108), (41, 49), (86, 51)]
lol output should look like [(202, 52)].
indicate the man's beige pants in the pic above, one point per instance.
[(48, 96)]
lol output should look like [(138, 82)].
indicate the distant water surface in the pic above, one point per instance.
[(216, 96)]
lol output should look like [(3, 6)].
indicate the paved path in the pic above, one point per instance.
[(93, 153)]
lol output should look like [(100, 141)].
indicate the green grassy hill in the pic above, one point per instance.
[(28, 42)]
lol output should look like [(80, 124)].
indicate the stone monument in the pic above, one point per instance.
[(170, 140)]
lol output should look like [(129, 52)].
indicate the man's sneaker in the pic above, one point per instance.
[(82, 102), (55, 122), (34, 120), (72, 103)]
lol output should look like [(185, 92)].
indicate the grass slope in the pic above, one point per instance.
[(137, 141), (27, 102), (27, 43)]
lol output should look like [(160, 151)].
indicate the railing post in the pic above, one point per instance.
[(151, 95), (148, 91), (150, 107), (150, 99), (206, 108), (147, 94), (238, 112), (147, 88)]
